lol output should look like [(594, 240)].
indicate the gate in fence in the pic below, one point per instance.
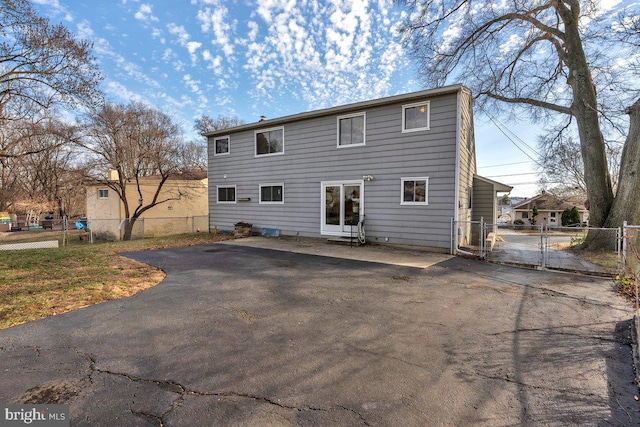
[(539, 246), (630, 251), (469, 238)]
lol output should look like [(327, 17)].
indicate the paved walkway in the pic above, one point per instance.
[(408, 256)]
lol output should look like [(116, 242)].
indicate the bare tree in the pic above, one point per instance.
[(36, 157), (137, 142), (41, 65), (50, 175), (557, 60), (206, 123), (193, 156)]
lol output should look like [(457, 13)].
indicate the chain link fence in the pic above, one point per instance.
[(64, 232), (539, 246), (630, 275), (631, 250), (115, 229), (47, 233), (469, 238), (563, 250)]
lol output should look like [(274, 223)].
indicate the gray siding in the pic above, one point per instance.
[(484, 202), (311, 157)]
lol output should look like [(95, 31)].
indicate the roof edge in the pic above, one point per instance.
[(498, 186), (341, 108)]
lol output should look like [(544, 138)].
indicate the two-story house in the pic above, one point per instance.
[(406, 164)]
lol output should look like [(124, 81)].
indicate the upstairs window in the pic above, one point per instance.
[(415, 117), (103, 193), (270, 141), (221, 146), (351, 130), (414, 191), (227, 194), (272, 193)]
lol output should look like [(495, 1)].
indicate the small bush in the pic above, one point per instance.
[(518, 222), (570, 217), (577, 240), (626, 286)]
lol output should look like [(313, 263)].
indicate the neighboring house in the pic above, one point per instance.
[(550, 210), (105, 211), (406, 164)]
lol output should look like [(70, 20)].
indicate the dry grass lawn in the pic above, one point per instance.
[(43, 282)]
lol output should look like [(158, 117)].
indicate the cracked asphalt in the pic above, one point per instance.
[(247, 336)]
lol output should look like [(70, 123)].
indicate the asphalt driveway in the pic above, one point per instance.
[(247, 336)]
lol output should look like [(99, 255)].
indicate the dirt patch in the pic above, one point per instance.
[(51, 394)]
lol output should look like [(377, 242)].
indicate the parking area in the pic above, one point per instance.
[(244, 335)]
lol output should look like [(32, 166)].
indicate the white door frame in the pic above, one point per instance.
[(338, 230)]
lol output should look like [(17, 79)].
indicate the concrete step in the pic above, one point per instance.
[(343, 241)]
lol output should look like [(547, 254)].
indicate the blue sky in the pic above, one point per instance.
[(265, 57)]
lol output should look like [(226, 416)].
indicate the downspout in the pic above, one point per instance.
[(457, 166)]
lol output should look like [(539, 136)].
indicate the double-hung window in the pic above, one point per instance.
[(414, 191), (103, 193), (227, 194), (269, 141), (272, 193), (415, 117), (352, 130), (221, 146)]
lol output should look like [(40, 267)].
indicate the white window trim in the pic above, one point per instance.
[(218, 187), (364, 130), (426, 196), (255, 142), (101, 197), (228, 148), (417, 104), (276, 184)]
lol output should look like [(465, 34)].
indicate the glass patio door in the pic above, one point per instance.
[(341, 207)]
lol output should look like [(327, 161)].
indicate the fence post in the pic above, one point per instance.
[(64, 230), (480, 236), (543, 261), (624, 248)]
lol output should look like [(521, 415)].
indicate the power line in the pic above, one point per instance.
[(536, 182), (500, 126), (512, 174), (504, 164)]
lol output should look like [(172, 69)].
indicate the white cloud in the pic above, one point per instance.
[(120, 91), (56, 8), (193, 46), (156, 33), (216, 21), (253, 30), (325, 53), (192, 84), (180, 32), (145, 13), (168, 54)]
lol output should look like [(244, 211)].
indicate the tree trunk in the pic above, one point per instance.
[(128, 228), (626, 205), (584, 107)]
